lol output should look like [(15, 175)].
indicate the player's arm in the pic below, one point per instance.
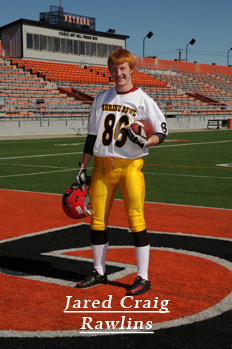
[(85, 160), (88, 150), (155, 139), (87, 154), (141, 139)]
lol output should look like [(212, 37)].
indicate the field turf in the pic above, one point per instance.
[(43, 253), (189, 168)]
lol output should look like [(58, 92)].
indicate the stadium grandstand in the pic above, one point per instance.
[(52, 69)]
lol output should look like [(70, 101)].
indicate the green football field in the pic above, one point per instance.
[(189, 168)]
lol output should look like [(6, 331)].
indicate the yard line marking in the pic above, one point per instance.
[(147, 173), (181, 175), (37, 173), (61, 154), (67, 144), (225, 165), (37, 156), (182, 145), (147, 202), (23, 165), (174, 165)]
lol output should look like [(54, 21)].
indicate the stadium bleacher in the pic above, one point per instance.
[(26, 93), (26, 82)]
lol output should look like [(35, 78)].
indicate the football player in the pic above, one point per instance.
[(118, 161)]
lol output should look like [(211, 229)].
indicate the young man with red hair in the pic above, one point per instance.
[(118, 161)]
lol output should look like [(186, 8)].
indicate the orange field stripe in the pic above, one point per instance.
[(191, 283), (27, 212)]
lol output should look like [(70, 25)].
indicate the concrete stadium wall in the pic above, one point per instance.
[(43, 127), (188, 122), (79, 126)]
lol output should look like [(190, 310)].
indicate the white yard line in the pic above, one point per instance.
[(37, 173), (182, 175), (24, 165), (74, 169), (182, 145), (74, 153), (39, 156)]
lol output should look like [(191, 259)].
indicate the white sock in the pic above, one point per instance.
[(142, 259), (99, 257)]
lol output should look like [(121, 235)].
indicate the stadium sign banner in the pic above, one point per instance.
[(76, 20), (74, 35)]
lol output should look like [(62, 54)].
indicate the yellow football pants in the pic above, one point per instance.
[(127, 174)]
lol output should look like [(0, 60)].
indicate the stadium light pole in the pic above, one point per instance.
[(228, 56), (192, 42), (149, 35)]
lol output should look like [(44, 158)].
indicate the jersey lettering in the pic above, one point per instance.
[(111, 107), (129, 111), (164, 127), (119, 133), (108, 132), (119, 108)]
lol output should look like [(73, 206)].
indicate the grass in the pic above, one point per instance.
[(190, 168)]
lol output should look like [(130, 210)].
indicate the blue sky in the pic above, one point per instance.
[(173, 23)]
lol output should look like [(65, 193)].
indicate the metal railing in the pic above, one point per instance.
[(81, 111), (180, 110)]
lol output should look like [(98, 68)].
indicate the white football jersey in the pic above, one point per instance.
[(111, 114)]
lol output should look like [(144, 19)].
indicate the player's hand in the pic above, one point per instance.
[(140, 139), (81, 178)]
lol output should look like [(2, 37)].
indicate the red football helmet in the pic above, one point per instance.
[(75, 203)]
